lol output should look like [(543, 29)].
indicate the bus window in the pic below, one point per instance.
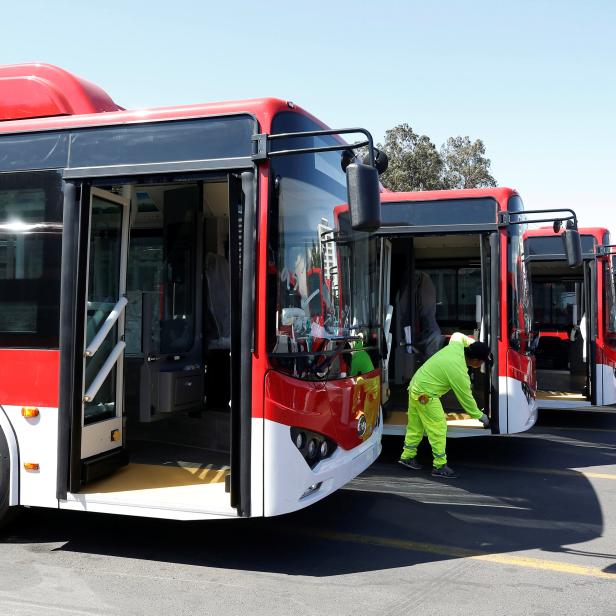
[(323, 276), (518, 291), (469, 288), (553, 304), (30, 251)]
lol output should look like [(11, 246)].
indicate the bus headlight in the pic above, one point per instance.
[(324, 449), (300, 440), (313, 446)]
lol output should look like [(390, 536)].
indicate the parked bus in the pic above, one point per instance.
[(574, 314), (160, 353), (454, 261)]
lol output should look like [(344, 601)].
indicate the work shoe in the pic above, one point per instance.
[(445, 472), (411, 463)]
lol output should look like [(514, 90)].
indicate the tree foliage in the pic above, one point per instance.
[(415, 163), (465, 164)]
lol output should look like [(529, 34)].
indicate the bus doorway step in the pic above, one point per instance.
[(462, 420)]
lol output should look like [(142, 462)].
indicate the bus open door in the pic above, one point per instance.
[(575, 356)]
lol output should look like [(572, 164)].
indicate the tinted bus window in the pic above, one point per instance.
[(130, 144), (208, 138), (518, 290), (30, 253), (554, 245), (456, 293), (553, 303), (33, 151), (441, 212)]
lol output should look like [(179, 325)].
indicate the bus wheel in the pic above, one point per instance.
[(7, 513)]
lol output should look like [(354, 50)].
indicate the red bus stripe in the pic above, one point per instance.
[(29, 377)]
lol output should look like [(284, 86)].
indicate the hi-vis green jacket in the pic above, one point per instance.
[(444, 371)]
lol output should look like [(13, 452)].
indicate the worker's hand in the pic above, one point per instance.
[(485, 420)]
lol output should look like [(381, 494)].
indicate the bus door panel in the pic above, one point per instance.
[(387, 314), (483, 316), (498, 412), (589, 322), (607, 314), (247, 444), (102, 393)]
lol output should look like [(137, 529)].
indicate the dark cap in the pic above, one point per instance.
[(479, 350)]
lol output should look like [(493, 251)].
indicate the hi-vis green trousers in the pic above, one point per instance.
[(428, 418)]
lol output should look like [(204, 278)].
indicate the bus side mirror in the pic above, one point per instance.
[(573, 246), (381, 160), (364, 197)]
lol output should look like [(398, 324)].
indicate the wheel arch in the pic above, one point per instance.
[(8, 450)]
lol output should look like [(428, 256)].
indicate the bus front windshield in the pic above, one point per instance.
[(323, 277)]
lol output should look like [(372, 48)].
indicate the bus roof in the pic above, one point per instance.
[(37, 97), (500, 194)]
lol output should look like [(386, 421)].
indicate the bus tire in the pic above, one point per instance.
[(7, 513)]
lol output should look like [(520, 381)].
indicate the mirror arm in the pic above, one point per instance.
[(505, 217), (606, 250), (262, 143)]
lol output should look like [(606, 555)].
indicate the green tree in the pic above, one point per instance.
[(416, 164), (465, 164), (414, 161)]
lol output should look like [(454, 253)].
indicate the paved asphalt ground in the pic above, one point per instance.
[(530, 528)]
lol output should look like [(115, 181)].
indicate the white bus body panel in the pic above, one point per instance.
[(9, 434), (606, 381), (517, 413), (256, 467), (199, 501), (38, 442), (287, 476), (81, 502)]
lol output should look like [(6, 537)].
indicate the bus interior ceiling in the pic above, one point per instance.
[(558, 308), (442, 274), (177, 387)]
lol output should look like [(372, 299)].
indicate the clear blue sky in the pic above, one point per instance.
[(535, 80)]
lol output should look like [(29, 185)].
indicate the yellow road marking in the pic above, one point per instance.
[(527, 562), (545, 471)]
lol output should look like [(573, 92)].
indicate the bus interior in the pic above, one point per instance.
[(176, 368), (560, 297), (434, 288)]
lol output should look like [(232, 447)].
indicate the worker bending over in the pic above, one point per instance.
[(445, 370)]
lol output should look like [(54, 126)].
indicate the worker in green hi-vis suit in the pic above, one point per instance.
[(446, 370)]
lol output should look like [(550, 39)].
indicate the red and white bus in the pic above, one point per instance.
[(454, 261), (176, 335), (574, 314)]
